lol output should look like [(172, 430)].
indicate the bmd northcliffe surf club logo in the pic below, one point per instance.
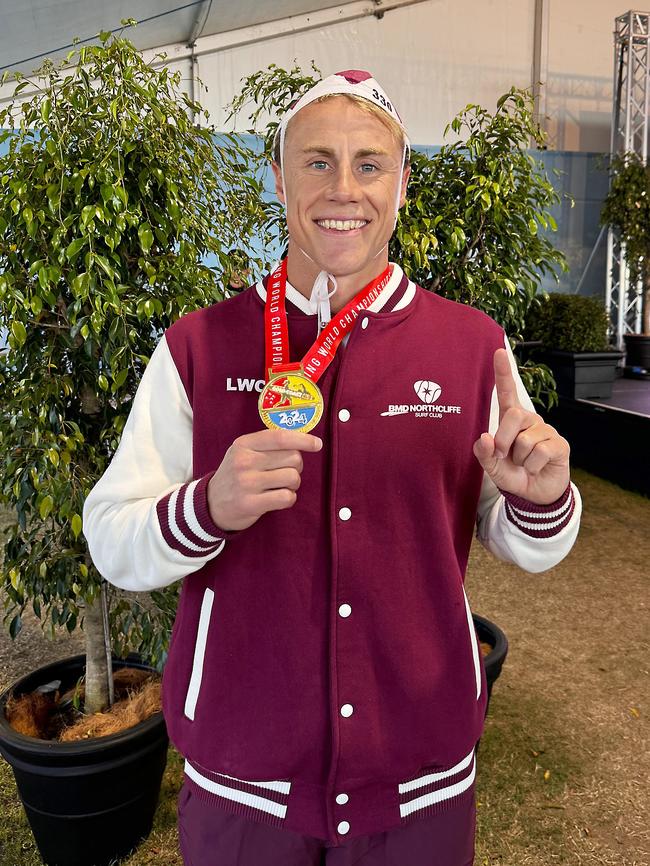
[(429, 394)]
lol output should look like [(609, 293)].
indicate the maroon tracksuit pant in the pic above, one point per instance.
[(213, 837)]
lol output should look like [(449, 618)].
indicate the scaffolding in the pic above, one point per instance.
[(630, 119)]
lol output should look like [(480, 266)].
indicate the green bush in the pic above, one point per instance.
[(111, 200), (570, 323)]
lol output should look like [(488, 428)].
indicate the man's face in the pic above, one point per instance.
[(342, 168)]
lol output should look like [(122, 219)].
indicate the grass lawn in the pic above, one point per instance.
[(564, 760)]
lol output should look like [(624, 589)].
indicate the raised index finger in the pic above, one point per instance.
[(505, 382), (281, 440)]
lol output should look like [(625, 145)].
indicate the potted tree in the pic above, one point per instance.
[(110, 201), (627, 210), (573, 333)]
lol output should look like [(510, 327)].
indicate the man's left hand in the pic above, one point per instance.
[(526, 456)]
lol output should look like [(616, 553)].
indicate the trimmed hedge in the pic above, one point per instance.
[(570, 323)]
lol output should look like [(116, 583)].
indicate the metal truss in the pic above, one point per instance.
[(630, 127)]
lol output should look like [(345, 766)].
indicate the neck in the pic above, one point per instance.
[(302, 272)]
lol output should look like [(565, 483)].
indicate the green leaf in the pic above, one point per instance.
[(73, 248), (19, 333), (43, 277), (87, 213), (102, 261), (120, 192), (45, 507), (80, 286), (146, 236), (120, 378), (76, 525), (46, 107), (15, 626), (103, 382)]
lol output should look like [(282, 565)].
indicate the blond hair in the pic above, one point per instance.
[(382, 116)]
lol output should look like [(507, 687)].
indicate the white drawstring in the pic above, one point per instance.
[(319, 302)]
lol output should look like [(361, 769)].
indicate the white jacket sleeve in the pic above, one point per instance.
[(146, 521), (533, 537)]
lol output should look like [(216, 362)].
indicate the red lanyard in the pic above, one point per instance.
[(321, 353)]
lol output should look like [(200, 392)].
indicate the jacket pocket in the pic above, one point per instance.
[(475, 649), (194, 687)]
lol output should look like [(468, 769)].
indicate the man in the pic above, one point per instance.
[(324, 681)]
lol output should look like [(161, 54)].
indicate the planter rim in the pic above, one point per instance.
[(501, 644), (613, 354), (35, 745)]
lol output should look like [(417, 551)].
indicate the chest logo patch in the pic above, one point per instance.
[(429, 394)]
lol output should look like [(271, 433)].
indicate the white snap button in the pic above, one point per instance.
[(342, 799), (345, 514), (343, 828), (364, 323), (345, 610), (344, 415), (347, 710)]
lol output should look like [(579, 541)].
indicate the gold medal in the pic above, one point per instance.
[(290, 401)]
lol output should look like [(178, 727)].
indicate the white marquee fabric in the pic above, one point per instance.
[(432, 56)]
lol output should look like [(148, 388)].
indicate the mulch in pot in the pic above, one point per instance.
[(49, 715)]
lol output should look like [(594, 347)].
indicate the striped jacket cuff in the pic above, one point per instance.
[(540, 521), (185, 520)]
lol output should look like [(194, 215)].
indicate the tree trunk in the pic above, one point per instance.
[(645, 300), (99, 673)]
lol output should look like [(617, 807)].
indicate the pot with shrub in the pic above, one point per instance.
[(573, 333), (110, 200), (627, 210)]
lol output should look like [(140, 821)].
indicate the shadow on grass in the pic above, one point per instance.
[(526, 767)]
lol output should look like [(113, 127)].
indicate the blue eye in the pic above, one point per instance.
[(319, 164), (368, 168)]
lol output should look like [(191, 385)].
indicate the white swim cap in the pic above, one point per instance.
[(354, 82)]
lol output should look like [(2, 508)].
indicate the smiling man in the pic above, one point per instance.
[(324, 681)]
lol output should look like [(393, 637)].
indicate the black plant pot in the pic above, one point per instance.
[(637, 354), (583, 375), (88, 802), (491, 634)]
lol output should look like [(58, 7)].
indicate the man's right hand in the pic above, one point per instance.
[(260, 472)]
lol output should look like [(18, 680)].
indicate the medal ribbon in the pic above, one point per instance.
[(321, 353)]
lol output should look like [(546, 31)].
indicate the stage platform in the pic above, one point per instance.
[(610, 438), (630, 395)]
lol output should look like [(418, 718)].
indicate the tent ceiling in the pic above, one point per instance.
[(33, 27)]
